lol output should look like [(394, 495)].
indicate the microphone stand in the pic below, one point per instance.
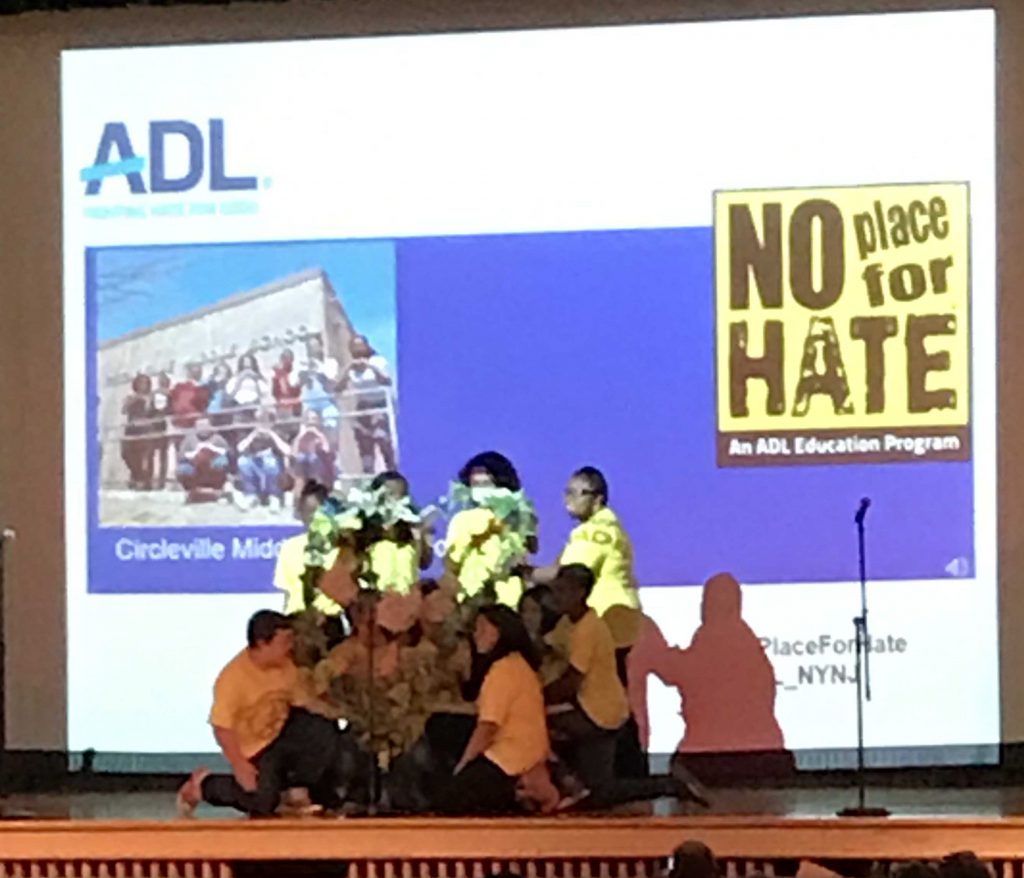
[(863, 651)]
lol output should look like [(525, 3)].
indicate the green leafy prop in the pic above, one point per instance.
[(503, 515), (417, 671), (389, 714), (356, 521)]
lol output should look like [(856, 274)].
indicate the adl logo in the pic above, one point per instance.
[(116, 157)]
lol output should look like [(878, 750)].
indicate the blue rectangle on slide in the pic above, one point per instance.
[(564, 349)]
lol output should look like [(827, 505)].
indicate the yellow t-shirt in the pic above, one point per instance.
[(512, 699), (592, 652), (601, 544), (396, 565), (473, 549), (291, 564), (254, 702)]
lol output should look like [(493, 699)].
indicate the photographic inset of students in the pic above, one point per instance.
[(238, 433)]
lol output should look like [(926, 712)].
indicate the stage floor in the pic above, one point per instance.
[(791, 802), (128, 834)]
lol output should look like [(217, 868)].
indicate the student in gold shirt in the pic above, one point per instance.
[(540, 616), (594, 708), (269, 741), (510, 739)]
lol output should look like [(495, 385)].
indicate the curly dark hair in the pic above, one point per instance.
[(496, 465)]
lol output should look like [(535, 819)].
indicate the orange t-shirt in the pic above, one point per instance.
[(253, 702), (511, 697)]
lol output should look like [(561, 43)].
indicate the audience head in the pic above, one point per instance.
[(311, 418), (586, 493), (572, 587), (194, 371), (163, 381), (270, 639), (539, 611), (490, 469), (203, 428), (311, 498), (287, 358), (963, 864), (393, 481), (693, 859), (500, 632), (222, 372), (142, 383)]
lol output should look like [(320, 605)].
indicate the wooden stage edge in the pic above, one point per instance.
[(569, 838)]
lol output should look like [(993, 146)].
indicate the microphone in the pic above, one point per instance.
[(8, 533), (862, 510)]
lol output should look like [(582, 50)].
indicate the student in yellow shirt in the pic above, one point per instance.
[(476, 539), (593, 700), (598, 542), (510, 739), (397, 558), (268, 740), (291, 558)]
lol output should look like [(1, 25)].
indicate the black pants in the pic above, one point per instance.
[(309, 752), (589, 751), (630, 756), (480, 788), (448, 735), (420, 777)]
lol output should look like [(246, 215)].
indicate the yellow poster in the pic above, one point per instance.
[(842, 324)]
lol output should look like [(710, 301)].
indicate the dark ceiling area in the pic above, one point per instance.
[(17, 7)]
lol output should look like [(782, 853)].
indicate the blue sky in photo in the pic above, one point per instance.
[(139, 286)]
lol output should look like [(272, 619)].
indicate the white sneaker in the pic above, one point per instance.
[(191, 793), (571, 800), (275, 504)]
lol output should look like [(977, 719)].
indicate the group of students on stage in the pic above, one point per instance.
[(551, 724)]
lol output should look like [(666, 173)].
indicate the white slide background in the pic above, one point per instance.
[(628, 127)]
